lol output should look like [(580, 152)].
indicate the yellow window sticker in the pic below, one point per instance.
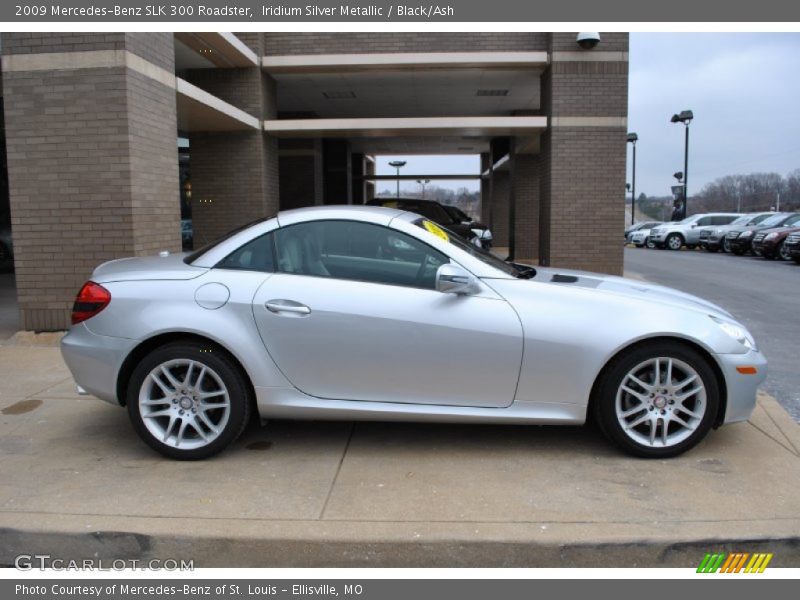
[(436, 230), (390, 204)]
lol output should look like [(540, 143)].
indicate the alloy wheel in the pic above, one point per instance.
[(661, 402), (184, 404)]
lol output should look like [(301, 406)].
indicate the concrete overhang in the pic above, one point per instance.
[(328, 63), (200, 111), (418, 126), (220, 48)]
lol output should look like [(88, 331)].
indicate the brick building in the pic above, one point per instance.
[(279, 120)]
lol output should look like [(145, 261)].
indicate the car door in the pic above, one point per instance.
[(352, 314)]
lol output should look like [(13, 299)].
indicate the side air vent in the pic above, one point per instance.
[(558, 278)]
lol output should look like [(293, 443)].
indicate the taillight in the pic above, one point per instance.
[(92, 298)]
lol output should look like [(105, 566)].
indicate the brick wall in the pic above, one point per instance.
[(385, 42), (583, 168), (526, 177), (92, 172)]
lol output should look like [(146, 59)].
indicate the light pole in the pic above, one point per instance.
[(423, 183), (678, 191), (685, 117), (632, 139), (397, 164)]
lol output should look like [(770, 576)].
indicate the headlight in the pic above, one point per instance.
[(771, 236), (737, 332), (746, 234)]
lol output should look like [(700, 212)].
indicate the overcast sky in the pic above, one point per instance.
[(744, 90)]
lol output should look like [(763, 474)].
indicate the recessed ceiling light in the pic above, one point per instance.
[(338, 95), (492, 93)]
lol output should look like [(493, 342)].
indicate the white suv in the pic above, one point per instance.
[(687, 232)]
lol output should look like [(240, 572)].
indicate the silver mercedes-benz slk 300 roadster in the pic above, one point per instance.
[(359, 312)]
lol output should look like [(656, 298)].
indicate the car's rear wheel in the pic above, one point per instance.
[(657, 400), (674, 241), (188, 401)]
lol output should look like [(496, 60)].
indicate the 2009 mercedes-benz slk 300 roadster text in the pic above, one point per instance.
[(360, 312)]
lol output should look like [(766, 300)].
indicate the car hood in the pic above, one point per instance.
[(145, 268), (779, 229), (631, 288)]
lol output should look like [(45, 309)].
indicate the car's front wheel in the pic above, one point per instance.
[(783, 252), (657, 400), (726, 246), (650, 243), (674, 241), (188, 400)]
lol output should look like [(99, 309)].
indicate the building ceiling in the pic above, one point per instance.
[(425, 93)]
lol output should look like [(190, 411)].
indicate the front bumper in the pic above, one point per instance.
[(741, 244), (742, 388), (95, 360)]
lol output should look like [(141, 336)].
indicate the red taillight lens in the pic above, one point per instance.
[(92, 298)]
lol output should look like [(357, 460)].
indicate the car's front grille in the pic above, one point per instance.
[(732, 235), (793, 239), (759, 237)]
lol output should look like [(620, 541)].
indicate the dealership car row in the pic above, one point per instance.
[(771, 235)]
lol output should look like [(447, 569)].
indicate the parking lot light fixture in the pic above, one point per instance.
[(632, 139), (398, 164), (685, 117), (423, 183)]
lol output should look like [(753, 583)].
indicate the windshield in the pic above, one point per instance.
[(457, 213), (793, 220), (479, 253), (759, 219), (742, 220), (774, 220)]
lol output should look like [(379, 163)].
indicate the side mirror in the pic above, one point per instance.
[(452, 279)]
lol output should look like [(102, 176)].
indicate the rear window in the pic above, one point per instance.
[(198, 253)]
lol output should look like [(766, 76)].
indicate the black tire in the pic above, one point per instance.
[(605, 392), (649, 243), (783, 252), (726, 246), (203, 355), (670, 242)]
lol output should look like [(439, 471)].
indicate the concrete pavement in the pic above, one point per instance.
[(77, 482)]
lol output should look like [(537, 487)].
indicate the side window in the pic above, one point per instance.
[(255, 255), (704, 221), (357, 251), (724, 220)]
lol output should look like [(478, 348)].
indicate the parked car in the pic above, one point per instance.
[(641, 237), (741, 240), (687, 232), (479, 229), (769, 242), (433, 211), (713, 238), (644, 225), (363, 312), (792, 246)]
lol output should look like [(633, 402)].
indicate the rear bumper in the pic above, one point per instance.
[(95, 360), (741, 388)]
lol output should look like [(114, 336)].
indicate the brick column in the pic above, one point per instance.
[(234, 174), (92, 159), (584, 93), (526, 181)]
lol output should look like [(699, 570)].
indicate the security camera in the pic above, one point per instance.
[(588, 40)]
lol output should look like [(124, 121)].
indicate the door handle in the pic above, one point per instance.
[(278, 306)]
